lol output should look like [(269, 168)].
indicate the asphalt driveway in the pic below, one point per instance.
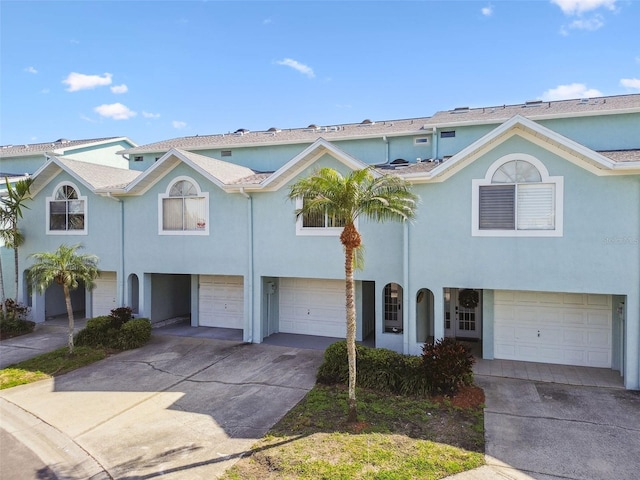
[(553, 431), (179, 407)]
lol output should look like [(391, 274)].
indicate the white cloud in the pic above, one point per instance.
[(120, 89), (80, 81), (31, 70), (45, 91), (116, 111), (487, 11), (179, 125), (300, 67), (631, 83), (150, 115), (573, 90), (577, 7), (267, 21), (590, 24), (88, 119)]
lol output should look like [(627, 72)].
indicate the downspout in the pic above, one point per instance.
[(386, 156), (434, 143), (249, 335), (406, 297), (121, 276)]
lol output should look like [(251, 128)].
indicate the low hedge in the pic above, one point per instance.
[(442, 368), (109, 332), (134, 334), (377, 368)]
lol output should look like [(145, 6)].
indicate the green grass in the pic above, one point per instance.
[(49, 364), (397, 437)]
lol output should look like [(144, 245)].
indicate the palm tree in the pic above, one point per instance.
[(66, 268), (361, 193), (11, 206)]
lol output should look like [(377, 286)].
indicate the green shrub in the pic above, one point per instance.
[(15, 322), (99, 332), (448, 364), (134, 334), (377, 368)]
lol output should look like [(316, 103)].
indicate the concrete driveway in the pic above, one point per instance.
[(179, 407), (550, 431)]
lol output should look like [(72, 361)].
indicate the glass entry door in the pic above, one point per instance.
[(462, 313)]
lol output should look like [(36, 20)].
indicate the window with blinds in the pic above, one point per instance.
[(184, 209), (516, 199)]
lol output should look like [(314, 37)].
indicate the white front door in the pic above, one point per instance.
[(104, 294), (461, 318)]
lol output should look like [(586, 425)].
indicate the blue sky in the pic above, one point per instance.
[(155, 70)]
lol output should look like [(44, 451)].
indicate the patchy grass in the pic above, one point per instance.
[(397, 437), (49, 364)]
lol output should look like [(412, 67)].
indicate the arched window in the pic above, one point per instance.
[(518, 197), (67, 211), (184, 209)]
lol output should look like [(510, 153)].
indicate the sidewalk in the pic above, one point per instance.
[(46, 337)]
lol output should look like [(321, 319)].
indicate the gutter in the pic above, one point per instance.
[(248, 335), (405, 280)]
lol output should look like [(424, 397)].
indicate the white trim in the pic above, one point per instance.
[(52, 198), (544, 173), (201, 194)]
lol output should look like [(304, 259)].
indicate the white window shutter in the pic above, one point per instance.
[(536, 206)]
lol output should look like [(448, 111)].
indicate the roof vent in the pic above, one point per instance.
[(399, 161), (241, 131), (62, 140), (366, 121), (274, 129), (584, 101), (313, 125), (533, 103), (461, 110)]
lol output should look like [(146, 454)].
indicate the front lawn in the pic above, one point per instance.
[(49, 364), (397, 437)]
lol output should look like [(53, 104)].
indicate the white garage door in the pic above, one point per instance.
[(563, 328), (312, 307), (221, 302), (104, 294)]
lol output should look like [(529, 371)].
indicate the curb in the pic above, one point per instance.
[(61, 454)]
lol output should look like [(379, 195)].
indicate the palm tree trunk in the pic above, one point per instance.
[(351, 333), (4, 305), (15, 261), (67, 300)]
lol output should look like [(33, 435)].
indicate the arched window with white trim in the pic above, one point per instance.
[(66, 211), (183, 209), (517, 197)]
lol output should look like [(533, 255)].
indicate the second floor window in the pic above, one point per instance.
[(184, 209)]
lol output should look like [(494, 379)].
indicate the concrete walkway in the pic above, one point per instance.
[(180, 407), (46, 337), (193, 401)]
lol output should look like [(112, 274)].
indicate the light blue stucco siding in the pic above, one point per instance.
[(280, 253), (586, 259), (103, 233), (222, 252)]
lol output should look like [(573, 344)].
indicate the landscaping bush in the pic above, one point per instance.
[(99, 332), (110, 331), (15, 322), (448, 364), (377, 368), (134, 334)]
